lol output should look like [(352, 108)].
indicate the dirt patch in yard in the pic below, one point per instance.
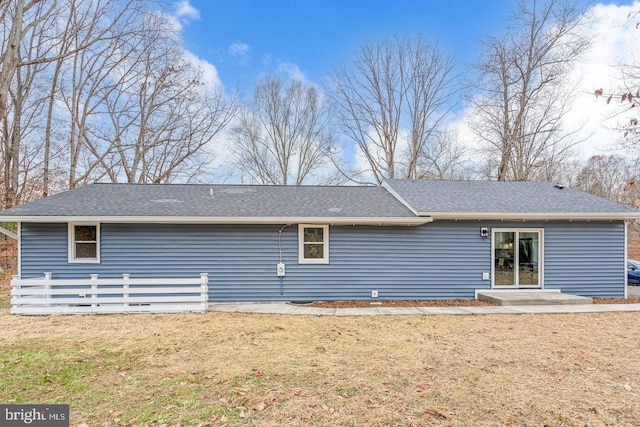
[(442, 303), (628, 300), (272, 370), (403, 303), (5, 293)]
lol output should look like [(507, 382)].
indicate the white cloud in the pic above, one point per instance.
[(224, 159), (209, 71), (375, 150), (614, 44), (292, 71), (239, 49), (186, 12)]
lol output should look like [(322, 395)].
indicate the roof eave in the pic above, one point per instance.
[(532, 216), (379, 221)]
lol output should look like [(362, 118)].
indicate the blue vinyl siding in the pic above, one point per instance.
[(585, 258), (441, 260)]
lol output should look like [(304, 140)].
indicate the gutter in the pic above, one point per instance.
[(533, 216), (377, 221)]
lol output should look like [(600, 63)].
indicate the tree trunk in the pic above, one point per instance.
[(10, 61)]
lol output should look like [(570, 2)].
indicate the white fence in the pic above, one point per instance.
[(125, 295)]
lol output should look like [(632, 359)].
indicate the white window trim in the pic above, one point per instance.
[(325, 243), (72, 246), (20, 252), (540, 261)]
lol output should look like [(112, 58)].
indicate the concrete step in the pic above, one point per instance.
[(532, 298)]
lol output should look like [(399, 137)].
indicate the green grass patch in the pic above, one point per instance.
[(260, 370), (36, 374), (5, 299)]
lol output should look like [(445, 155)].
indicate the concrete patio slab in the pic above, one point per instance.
[(532, 298), (564, 309)]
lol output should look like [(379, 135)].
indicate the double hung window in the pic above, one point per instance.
[(84, 243), (313, 244)]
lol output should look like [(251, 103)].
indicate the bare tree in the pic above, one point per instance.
[(35, 34), (93, 38), (22, 162), (627, 99), (392, 100), (13, 14), (627, 96), (525, 92), (99, 89), (22, 40), (612, 177), (444, 158), (282, 136), (87, 77), (140, 110)]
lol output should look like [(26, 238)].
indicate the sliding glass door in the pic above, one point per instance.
[(517, 255)]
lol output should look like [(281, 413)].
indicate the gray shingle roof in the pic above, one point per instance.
[(519, 197), (198, 200), (397, 200)]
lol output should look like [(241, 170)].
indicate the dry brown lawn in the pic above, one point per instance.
[(274, 370)]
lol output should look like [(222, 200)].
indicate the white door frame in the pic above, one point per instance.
[(516, 262)]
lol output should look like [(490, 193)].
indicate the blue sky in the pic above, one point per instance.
[(238, 41), (316, 35), (246, 38)]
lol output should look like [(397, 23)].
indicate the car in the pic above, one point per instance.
[(633, 272)]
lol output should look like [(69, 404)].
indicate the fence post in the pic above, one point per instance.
[(204, 289), (125, 290), (47, 286), (94, 291), (15, 284)]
